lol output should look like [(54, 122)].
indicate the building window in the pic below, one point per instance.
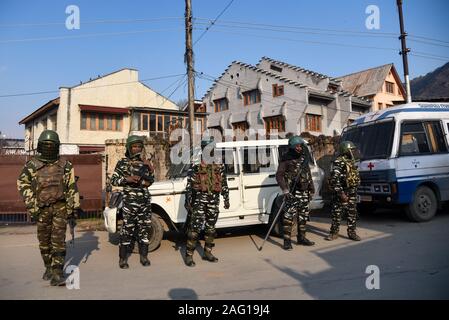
[(221, 105), (313, 122), (380, 105), (389, 87), (98, 121), (144, 120), (160, 123), (275, 68), (278, 90), (240, 127), (53, 121), (251, 97), (274, 123), (44, 123)]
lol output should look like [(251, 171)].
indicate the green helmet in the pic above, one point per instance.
[(133, 140), (49, 135), (207, 141), (346, 148), (48, 145), (294, 141)]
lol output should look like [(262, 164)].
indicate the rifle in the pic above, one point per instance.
[(292, 192), (72, 224)]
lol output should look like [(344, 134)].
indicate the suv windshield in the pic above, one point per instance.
[(374, 141)]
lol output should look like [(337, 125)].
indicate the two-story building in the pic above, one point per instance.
[(108, 107), (276, 96), (382, 85)]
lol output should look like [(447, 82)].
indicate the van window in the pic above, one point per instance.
[(421, 138), (413, 139), (258, 159), (367, 137), (436, 136)]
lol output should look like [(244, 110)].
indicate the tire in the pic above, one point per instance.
[(156, 232), (423, 206)]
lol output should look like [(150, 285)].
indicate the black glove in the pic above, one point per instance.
[(227, 204)]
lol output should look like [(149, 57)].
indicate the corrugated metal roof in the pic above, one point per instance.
[(367, 82)]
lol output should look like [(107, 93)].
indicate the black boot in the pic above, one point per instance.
[(301, 238), (331, 236), (192, 239), (123, 255), (287, 244), (143, 251), (208, 256), (353, 235), (57, 278), (47, 274)]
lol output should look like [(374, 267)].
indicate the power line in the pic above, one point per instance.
[(45, 24), (223, 25), (430, 43), (428, 57), (213, 22), (298, 27), (84, 88), (87, 35)]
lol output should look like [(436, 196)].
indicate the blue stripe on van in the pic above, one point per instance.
[(387, 113), (406, 189)]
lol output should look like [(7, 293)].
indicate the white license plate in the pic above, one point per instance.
[(365, 198)]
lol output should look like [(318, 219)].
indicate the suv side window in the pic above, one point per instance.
[(258, 159), (228, 159)]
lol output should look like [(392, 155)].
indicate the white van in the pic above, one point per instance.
[(404, 158), (252, 188)]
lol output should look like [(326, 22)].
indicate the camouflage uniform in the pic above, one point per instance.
[(205, 183), (50, 194), (344, 180), (295, 164), (136, 204)]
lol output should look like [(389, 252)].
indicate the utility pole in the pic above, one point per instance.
[(404, 51), (189, 61)]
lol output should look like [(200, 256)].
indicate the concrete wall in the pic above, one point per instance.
[(155, 150), (312, 81), (292, 105)]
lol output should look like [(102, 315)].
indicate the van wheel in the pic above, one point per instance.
[(424, 205), (277, 228)]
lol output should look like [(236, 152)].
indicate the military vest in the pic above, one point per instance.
[(352, 174), (50, 182), (208, 178), (138, 168), (295, 167)]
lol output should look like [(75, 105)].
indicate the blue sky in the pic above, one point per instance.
[(157, 49)]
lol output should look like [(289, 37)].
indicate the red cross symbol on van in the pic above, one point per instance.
[(370, 166)]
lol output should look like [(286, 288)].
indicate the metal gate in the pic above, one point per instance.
[(87, 167)]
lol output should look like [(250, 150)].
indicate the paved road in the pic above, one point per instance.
[(413, 260)]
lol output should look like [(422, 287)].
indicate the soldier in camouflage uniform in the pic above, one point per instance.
[(205, 183), (135, 175), (344, 180), (295, 164), (47, 185)]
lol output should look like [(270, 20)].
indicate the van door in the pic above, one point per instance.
[(258, 178), (423, 156)]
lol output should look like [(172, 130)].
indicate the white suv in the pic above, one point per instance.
[(253, 189)]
